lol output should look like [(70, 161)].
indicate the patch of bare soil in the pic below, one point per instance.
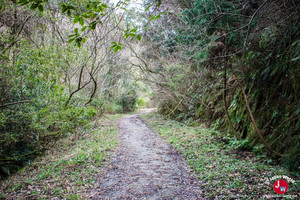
[(145, 167)]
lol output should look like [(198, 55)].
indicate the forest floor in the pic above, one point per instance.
[(143, 156)]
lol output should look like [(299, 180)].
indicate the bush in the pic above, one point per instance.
[(166, 108), (141, 103), (32, 127), (128, 103), (106, 105)]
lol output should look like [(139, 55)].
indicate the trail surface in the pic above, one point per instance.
[(145, 167)]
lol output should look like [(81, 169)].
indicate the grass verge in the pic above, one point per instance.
[(69, 170), (224, 172)]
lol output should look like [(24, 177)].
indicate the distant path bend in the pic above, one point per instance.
[(145, 167)]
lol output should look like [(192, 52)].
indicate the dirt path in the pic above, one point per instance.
[(145, 167)]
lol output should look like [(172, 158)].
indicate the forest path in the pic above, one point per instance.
[(145, 167)]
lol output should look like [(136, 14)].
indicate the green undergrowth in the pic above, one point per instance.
[(224, 172), (69, 170)]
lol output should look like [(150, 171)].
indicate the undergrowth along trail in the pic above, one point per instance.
[(223, 171), (145, 165), (70, 169)]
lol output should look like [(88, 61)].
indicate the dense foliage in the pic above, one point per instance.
[(234, 65), (58, 69)]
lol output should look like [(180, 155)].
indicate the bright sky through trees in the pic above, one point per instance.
[(137, 4)]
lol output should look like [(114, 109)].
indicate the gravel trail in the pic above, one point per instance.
[(145, 166)]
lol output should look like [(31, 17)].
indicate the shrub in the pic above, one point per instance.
[(128, 103), (167, 107), (141, 103)]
